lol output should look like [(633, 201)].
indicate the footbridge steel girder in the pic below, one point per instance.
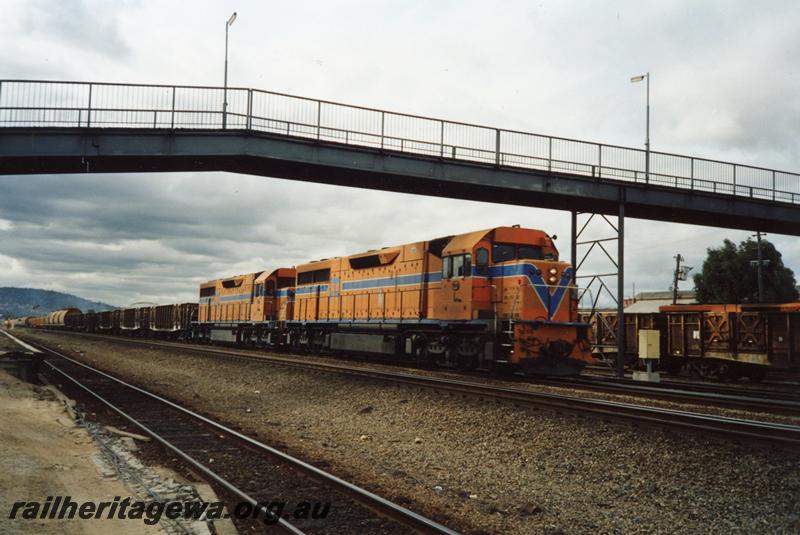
[(127, 150)]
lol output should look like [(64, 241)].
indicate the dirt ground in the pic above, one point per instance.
[(43, 453)]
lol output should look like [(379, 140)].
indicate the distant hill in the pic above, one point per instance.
[(19, 302)]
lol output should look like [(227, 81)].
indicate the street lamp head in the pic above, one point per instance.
[(635, 79), (233, 18)]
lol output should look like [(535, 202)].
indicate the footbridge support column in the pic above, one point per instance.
[(621, 291)]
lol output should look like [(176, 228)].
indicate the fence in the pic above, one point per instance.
[(26, 103)]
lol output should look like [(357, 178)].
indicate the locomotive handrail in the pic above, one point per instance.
[(41, 103)]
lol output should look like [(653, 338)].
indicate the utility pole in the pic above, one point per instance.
[(760, 262), (678, 260), (760, 278), (681, 274)]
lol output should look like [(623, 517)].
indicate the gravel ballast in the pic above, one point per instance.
[(477, 465)]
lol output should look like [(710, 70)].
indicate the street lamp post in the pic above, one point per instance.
[(635, 79), (225, 91)]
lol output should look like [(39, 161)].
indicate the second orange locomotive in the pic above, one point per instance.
[(489, 298)]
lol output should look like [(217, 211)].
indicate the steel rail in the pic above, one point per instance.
[(777, 433), (779, 378), (747, 389), (743, 399), (364, 497), (208, 473)]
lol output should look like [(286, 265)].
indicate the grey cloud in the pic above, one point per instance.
[(85, 24)]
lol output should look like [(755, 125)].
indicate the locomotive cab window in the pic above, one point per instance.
[(482, 261), (208, 291), (456, 266), (502, 252), (319, 275), (447, 267), (462, 265), (322, 275), (532, 252)]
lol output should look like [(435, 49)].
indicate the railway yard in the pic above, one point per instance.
[(464, 452)]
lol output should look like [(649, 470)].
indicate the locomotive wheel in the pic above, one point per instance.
[(419, 348), (468, 351), (294, 342), (316, 341), (448, 358)]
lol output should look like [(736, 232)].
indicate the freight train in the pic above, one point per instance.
[(489, 299), (718, 342)]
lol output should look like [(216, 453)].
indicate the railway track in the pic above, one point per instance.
[(779, 380), (244, 468), (786, 402), (777, 402), (737, 428)]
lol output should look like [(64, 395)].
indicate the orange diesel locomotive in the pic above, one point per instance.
[(249, 309), (490, 298)]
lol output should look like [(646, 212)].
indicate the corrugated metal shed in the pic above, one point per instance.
[(650, 306)]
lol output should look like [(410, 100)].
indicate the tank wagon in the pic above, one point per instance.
[(494, 297), (17, 322), (60, 318), (714, 341)]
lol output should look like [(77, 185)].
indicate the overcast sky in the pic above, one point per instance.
[(725, 85)]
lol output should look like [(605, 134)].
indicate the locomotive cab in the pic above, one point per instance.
[(487, 275), (512, 278), (272, 295)]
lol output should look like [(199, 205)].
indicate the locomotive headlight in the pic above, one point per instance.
[(553, 271), (552, 279)]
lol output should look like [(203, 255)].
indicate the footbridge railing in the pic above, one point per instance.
[(27, 103)]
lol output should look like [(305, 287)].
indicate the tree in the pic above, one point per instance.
[(729, 277)]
